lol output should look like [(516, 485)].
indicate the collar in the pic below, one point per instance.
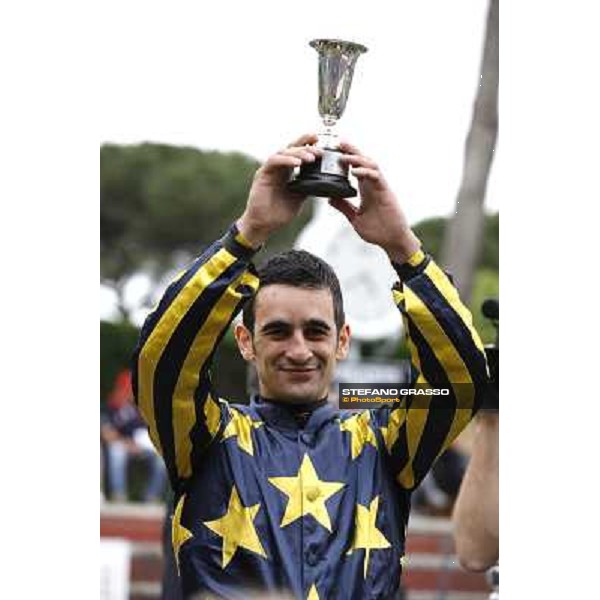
[(281, 417)]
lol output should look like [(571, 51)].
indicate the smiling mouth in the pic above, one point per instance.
[(297, 369)]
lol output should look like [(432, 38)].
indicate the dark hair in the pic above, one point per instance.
[(301, 269)]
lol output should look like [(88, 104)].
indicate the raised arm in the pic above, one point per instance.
[(445, 349), (475, 515), (446, 353), (171, 362)]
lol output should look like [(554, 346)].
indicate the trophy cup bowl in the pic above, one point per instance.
[(327, 176)]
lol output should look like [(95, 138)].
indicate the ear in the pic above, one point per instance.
[(343, 342), (243, 337)]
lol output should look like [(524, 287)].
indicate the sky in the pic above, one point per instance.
[(241, 76)]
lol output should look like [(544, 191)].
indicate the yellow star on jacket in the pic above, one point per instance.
[(241, 426), (361, 433), (236, 527), (179, 534), (366, 534), (172, 387), (391, 433), (312, 593), (306, 494)]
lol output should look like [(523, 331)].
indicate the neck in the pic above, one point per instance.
[(300, 412), (296, 406)]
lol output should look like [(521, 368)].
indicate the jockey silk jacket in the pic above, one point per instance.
[(265, 505)]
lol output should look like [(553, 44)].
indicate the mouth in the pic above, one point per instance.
[(299, 373)]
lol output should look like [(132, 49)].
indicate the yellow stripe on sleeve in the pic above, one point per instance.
[(184, 411), (442, 347), (240, 239), (416, 258), (447, 355), (157, 341), (416, 418), (464, 413), (442, 283), (414, 354), (398, 415), (398, 296), (391, 433)]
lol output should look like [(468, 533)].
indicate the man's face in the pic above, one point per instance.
[(295, 345)]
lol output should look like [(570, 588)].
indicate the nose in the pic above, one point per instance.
[(297, 349)]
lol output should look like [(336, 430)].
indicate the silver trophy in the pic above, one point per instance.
[(327, 176)]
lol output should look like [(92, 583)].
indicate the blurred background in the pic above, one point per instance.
[(201, 96)]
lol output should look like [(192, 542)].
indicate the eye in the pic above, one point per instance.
[(315, 332), (276, 332)]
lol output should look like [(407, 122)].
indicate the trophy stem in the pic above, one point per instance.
[(328, 138)]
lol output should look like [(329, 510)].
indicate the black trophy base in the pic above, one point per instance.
[(311, 181)]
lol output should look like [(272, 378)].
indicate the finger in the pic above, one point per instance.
[(358, 160), (306, 153), (345, 207), (313, 150), (277, 161), (349, 148), (367, 173), (303, 140)]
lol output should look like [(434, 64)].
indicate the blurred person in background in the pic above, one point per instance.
[(476, 513), (290, 495), (476, 510), (126, 438)]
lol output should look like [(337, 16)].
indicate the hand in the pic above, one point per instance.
[(379, 219), (270, 205)]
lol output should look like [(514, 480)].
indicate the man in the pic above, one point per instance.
[(289, 495)]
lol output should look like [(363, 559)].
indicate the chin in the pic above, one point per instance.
[(300, 394)]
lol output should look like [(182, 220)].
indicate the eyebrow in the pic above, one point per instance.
[(280, 324), (275, 325), (317, 323)]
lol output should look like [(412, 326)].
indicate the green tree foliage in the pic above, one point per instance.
[(431, 233), (491, 246), (486, 285), (161, 205)]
